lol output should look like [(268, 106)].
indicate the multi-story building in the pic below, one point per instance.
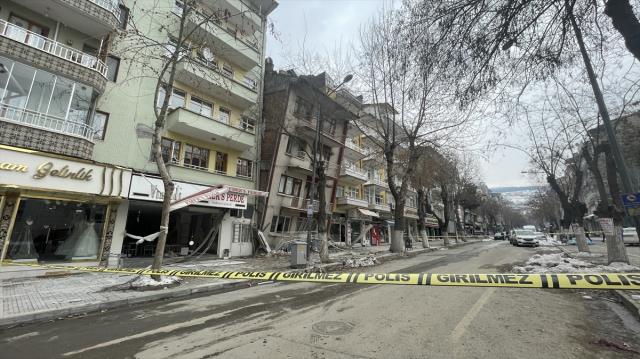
[(100, 108), (293, 105), (56, 203)]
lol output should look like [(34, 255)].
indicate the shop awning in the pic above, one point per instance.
[(367, 212)]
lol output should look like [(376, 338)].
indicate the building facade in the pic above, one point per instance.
[(75, 88)]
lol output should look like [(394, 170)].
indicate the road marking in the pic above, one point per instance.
[(165, 329), (459, 330), (27, 335)]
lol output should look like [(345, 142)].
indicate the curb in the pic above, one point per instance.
[(631, 304), (223, 286)]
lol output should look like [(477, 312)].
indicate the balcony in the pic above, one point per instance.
[(211, 81), (353, 150), (45, 122), (45, 53), (299, 162), (352, 174), (209, 130), (351, 202), (92, 17), (227, 41), (206, 176), (300, 204), (249, 17), (330, 136), (377, 181), (379, 206)]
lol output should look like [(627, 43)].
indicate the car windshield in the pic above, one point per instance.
[(524, 232)]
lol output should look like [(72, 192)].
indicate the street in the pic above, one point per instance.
[(305, 320)]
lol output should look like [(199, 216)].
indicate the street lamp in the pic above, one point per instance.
[(314, 166)]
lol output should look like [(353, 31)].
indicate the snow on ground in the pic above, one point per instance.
[(562, 263), (146, 281), (550, 242), (356, 262)]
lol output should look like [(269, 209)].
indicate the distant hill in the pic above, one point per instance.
[(515, 189)]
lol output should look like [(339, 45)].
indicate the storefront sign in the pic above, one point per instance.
[(152, 189), (38, 171)]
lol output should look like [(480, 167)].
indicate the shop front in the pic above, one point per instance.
[(219, 226), (57, 209)]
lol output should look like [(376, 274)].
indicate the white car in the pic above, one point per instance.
[(630, 236), (541, 236), (525, 237)]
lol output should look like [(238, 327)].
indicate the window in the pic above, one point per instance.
[(170, 150), (296, 146), (200, 106), (171, 48), (177, 98), (221, 162), (113, 64), (178, 7), (248, 124), (326, 153), (124, 17), (227, 71), (329, 125), (289, 186), (225, 115), (249, 82), (303, 108), (241, 233), (196, 157), (244, 168), (99, 124), (280, 224)]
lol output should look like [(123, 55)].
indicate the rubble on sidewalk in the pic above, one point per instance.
[(563, 263), (356, 262)]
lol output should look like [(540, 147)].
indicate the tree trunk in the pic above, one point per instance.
[(424, 238), (445, 238), (397, 239), (422, 218), (625, 21), (322, 213), (581, 240), (616, 251)]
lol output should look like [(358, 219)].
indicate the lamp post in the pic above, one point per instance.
[(315, 167)]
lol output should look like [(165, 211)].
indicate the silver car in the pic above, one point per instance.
[(525, 237), (630, 236)]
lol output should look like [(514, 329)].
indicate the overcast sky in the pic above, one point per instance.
[(327, 22)]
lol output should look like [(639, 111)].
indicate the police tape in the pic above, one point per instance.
[(623, 281)]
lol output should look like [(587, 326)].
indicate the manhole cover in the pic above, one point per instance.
[(332, 328)]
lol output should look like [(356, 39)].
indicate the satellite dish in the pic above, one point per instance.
[(207, 54)]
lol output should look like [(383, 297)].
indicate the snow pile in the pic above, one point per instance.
[(487, 240), (146, 282), (561, 263), (550, 242), (356, 262)]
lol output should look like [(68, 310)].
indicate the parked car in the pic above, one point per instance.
[(541, 236), (499, 236), (524, 237), (529, 228), (630, 236)]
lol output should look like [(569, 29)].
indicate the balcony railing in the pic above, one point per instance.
[(43, 121), (109, 5), (354, 146), (378, 181), (353, 171), (54, 48)]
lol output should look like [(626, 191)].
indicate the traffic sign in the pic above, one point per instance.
[(631, 202)]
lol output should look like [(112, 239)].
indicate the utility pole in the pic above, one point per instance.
[(315, 168)]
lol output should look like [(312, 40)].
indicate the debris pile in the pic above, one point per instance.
[(356, 262), (562, 263)]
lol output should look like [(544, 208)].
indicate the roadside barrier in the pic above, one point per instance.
[(624, 281)]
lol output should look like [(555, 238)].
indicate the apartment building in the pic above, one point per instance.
[(56, 202), (101, 111), (293, 105)]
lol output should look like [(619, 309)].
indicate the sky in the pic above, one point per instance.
[(321, 24)]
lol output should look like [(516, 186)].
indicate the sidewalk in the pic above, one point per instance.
[(24, 300)]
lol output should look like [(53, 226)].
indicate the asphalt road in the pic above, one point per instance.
[(305, 320)]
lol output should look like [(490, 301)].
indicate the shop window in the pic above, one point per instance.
[(289, 186), (280, 224), (242, 233), (170, 150), (221, 162), (99, 125), (225, 115), (196, 157), (244, 168), (200, 106), (56, 230)]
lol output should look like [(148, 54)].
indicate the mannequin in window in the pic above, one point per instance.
[(22, 246), (88, 242)]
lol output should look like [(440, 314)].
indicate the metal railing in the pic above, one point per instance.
[(109, 5), (353, 171), (354, 146), (46, 122), (54, 48)]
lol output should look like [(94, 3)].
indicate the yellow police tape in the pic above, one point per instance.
[(624, 281)]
